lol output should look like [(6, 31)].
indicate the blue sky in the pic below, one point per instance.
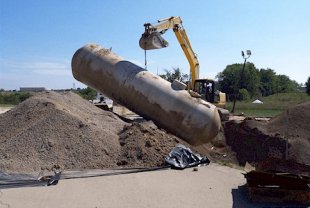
[(39, 38)]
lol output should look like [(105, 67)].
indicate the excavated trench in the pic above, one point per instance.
[(286, 136)]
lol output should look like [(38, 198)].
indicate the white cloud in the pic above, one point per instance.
[(48, 67)]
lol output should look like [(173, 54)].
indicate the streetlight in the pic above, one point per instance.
[(245, 57)]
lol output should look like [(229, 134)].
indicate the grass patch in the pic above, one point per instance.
[(13, 98), (272, 106), (6, 105), (259, 112)]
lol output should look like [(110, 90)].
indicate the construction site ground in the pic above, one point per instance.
[(4, 109), (62, 131), (211, 186)]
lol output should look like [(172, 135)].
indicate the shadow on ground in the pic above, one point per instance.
[(240, 200)]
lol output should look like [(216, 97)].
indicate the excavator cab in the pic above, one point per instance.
[(205, 88)]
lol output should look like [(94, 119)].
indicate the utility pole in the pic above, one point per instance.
[(248, 53)]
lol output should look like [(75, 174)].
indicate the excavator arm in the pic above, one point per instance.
[(152, 39), (203, 88)]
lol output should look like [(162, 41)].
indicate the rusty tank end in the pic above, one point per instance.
[(146, 94)]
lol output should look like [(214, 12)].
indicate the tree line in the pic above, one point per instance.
[(13, 98), (253, 83), (86, 93), (308, 86)]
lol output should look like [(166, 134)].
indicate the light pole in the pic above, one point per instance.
[(248, 54)]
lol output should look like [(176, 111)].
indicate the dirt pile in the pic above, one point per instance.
[(52, 129), (218, 151), (61, 130), (288, 133), (294, 125), (143, 143)]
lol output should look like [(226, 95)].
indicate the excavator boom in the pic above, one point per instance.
[(203, 88), (152, 39)]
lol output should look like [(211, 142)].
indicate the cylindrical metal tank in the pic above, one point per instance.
[(150, 96)]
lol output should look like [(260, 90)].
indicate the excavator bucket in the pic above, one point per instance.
[(154, 40)]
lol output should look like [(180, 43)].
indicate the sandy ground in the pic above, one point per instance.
[(4, 109), (210, 186)]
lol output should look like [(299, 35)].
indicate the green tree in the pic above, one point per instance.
[(230, 79), (87, 93), (285, 84), (10, 98), (22, 96), (308, 86), (13, 98), (173, 74), (267, 82), (243, 94)]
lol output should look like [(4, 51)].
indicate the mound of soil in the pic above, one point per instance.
[(288, 133), (62, 130), (58, 130), (218, 151), (143, 143), (293, 125)]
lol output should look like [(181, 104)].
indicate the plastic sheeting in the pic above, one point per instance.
[(14, 180), (24, 180), (182, 157)]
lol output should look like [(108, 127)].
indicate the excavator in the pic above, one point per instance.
[(202, 88)]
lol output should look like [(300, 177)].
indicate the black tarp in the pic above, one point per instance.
[(182, 157)]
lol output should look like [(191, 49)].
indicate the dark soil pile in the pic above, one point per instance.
[(62, 130), (143, 143), (294, 125), (251, 143), (218, 151), (287, 133)]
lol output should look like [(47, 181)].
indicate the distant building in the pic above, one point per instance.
[(32, 89), (302, 89)]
